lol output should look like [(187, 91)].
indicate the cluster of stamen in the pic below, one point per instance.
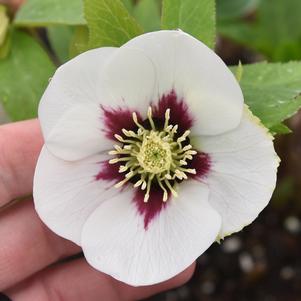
[(152, 155)]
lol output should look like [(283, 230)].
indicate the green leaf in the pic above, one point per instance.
[(80, 41), (60, 38), (110, 24), (24, 76), (50, 12), (272, 91), (147, 13), (196, 17), (129, 5), (280, 129), (275, 32), (5, 47), (4, 24)]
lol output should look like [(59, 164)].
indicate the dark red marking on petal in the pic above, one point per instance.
[(153, 207), (201, 162), (179, 112), (109, 172), (117, 119)]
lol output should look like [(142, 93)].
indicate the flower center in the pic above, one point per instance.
[(155, 155), (150, 156)]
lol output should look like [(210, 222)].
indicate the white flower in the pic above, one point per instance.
[(150, 156)]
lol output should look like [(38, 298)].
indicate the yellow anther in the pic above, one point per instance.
[(113, 161), (167, 117), (123, 168), (119, 138), (138, 183), (143, 185)]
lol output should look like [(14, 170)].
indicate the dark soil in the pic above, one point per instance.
[(260, 263)]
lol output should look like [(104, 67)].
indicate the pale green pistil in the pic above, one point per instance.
[(153, 155)]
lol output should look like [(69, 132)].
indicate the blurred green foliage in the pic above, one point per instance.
[(4, 32), (24, 76), (147, 13), (79, 42), (60, 39), (4, 23), (273, 29), (50, 12), (227, 10)]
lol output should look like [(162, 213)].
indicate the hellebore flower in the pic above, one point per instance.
[(150, 156)]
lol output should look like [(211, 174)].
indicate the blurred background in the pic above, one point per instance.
[(262, 262)]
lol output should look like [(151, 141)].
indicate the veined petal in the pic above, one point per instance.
[(70, 106), (66, 193), (242, 174), (124, 249), (197, 75)]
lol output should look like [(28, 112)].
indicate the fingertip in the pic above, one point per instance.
[(20, 145), (4, 297)]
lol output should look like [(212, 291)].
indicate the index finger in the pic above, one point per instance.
[(20, 145)]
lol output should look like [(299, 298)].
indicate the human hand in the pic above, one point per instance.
[(33, 260)]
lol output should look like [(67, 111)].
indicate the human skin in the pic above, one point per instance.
[(33, 263)]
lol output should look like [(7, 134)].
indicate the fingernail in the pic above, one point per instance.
[(4, 297)]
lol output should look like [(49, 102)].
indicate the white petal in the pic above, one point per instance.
[(78, 134), (243, 172), (114, 240), (74, 86), (66, 193), (129, 79), (198, 75)]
